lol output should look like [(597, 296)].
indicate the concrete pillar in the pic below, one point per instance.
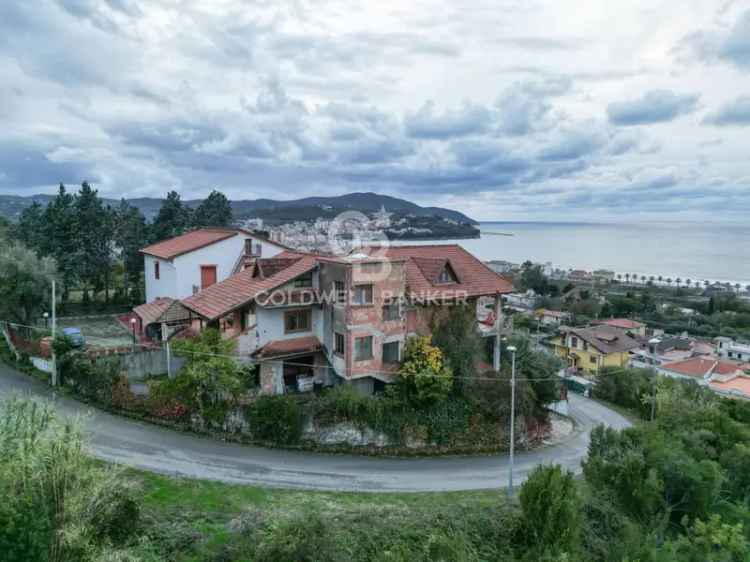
[(498, 333)]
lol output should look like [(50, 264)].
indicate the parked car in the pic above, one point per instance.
[(75, 336)]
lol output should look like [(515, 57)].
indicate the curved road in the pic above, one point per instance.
[(158, 449)]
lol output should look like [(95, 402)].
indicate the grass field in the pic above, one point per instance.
[(200, 520)]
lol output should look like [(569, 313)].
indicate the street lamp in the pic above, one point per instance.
[(132, 327), (512, 350), (46, 320)]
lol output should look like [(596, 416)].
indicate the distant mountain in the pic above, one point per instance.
[(11, 206)]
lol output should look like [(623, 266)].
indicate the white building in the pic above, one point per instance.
[(730, 349), (182, 266)]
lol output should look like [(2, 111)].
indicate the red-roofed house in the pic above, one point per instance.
[(308, 317), (700, 369), (630, 327), (182, 266), (737, 387)]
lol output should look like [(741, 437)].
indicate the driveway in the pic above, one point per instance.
[(158, 449)]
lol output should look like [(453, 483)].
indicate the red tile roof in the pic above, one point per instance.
[(737, 386), (425, 263), (152, 311), (276, 348), (239, 289), (623, 323), (700, 367), (188, 242)]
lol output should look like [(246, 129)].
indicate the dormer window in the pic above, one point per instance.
[(447, 275)]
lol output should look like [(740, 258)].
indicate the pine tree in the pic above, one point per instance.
[(94, 236), (131, 233), (173, 218), (215, 210), (58, 238), (30, 228)]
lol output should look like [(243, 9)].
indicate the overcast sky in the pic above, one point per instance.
[(503, 109)]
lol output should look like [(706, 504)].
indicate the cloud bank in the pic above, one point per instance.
[(503, 112)]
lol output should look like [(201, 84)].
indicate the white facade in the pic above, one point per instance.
[(730, 349), (180, 277)]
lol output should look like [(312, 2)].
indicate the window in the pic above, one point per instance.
[(340, 290), (338, 343), (304, 280), (585, 346), (297, 320), (391, 311), (390, 352), (363, 294), (208, 276), (363, 348), (156, 270), (446, 276), (573, 341), (592, 358), (255, 250)]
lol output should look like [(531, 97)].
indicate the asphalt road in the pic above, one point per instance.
[(158, 449)]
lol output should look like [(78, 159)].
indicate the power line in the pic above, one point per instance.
[(519, 359)]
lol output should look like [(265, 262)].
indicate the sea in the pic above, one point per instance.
[(696, 251)]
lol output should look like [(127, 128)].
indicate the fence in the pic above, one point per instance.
[(137, 364)]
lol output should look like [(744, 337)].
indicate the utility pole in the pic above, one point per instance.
[(512, 350), (498, 333), (653, 343), (165, 339), (54, 330)]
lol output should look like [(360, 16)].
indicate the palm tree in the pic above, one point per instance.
[(678, 281), (688, 282), (643, 279), (660, 279), (737, 286), (669, 281), (627, 277), (650, 279)]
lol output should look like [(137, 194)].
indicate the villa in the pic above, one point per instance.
[(593, 348), (311, 319)]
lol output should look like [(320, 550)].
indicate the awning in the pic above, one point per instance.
[(293, 346)]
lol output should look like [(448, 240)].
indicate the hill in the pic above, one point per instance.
[(11, 206)]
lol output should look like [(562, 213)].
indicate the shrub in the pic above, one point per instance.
[(630, 388), (275, 419), (550, 510), (423, 376), (302, 538), (458, 339)]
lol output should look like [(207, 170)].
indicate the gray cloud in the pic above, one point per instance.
[(735, 112), (573, 144), (467, 120), (730, 45), (656, 106), (525, 106), (24, 166)]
